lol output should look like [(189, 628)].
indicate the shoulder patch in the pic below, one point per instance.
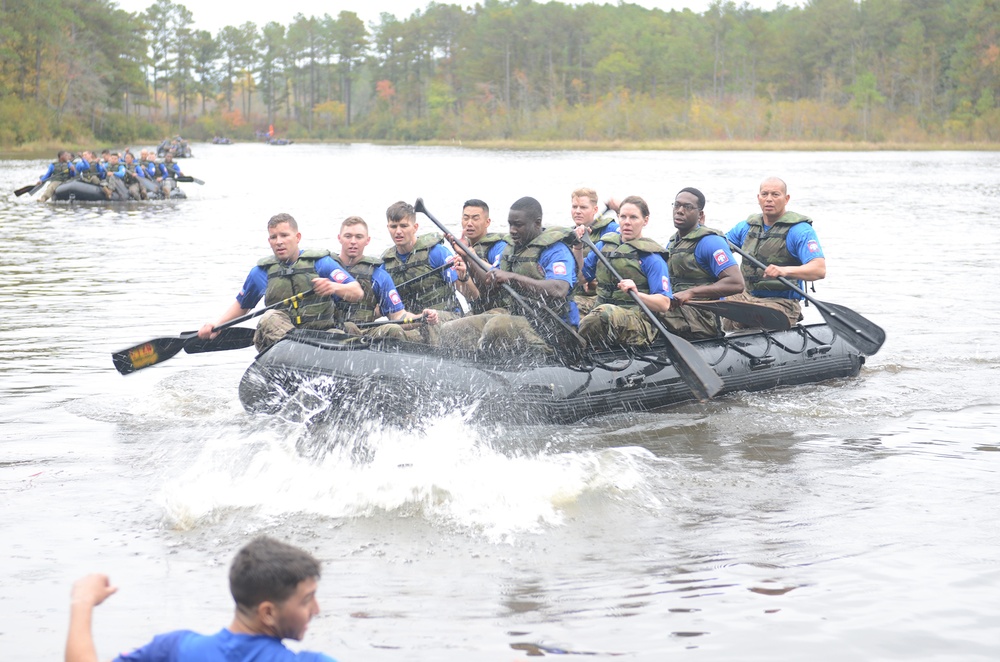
[(720, 257), (665, 283), (339, 276), (559, 268), (813, 246), (394, 297)]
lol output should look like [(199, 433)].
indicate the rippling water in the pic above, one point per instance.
[(847, 520)]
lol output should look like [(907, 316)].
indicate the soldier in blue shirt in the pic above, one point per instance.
[(290, 271), (274, 586)]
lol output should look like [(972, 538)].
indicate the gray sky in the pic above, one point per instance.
[(215, 14)]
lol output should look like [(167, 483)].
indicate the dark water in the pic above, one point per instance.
[(847, 520)]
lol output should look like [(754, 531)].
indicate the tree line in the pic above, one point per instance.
[(830, 70)]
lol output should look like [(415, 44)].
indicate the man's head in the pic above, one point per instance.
[(689, 209), (525, 220), (402, 223), (773, 198), (105, 154), (274, 585), (63, 156), (353, 239), (112, 158), (475, 220), (584, 206), (129, 158), (633, 215), (283, 235)]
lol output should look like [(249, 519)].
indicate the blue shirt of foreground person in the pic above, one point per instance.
[(274, 586)]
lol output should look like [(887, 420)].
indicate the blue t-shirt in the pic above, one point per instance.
[(712, 254), (559, 264), (256, 283), (801, 242), (389, 300), (493, 255), (223, 646)]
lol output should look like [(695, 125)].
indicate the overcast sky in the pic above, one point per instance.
[(212, 15)]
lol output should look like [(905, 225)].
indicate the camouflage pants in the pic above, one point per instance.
[(790, 307), (105, 185), (609, 325), (465, 332), (49, 190), (691, 323), (511, 333), (273, 326), (585, 303)]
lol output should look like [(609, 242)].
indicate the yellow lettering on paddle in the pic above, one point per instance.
[(143, 356)]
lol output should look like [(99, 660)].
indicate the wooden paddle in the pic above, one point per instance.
[(859, 331), (692, 368), (748, 314), (159, 350), (536, 312), (24, 189)]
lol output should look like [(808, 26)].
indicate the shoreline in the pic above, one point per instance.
[(46, 150)]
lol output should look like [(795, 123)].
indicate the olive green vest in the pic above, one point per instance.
[(597, 230), (482, 248), (287, 281), (626, 259), (60, 172), (364, 310), (685, 272), (524, 261), (770, 248), (431, 292)]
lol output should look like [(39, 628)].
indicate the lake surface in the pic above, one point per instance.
[(851, 520)]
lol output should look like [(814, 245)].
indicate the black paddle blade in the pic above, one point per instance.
[(748, 314), (149, 353), (24, 189), (692, 368), (234, 337), (859, 331)]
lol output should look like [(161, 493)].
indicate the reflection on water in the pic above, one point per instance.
[(819, 521)]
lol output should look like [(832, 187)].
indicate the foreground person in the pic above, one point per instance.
[(290, 271), (487, 245), (783, 240), (274, 587), (538, 265), (616, 319), (380, 295), (701, 267)]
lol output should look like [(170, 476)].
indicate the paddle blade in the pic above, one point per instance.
[(748, 314), (859, 331), (149, 353), (692, 368), (24, 189), (234, 337)]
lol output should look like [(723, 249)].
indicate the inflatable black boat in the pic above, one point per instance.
[(357, 378), (79, 191)]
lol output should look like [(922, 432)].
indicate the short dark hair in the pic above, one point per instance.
[(528, 204), (696, 193), (397, 211), (476, 202), (278, 219), (638, 202), (269, 570)]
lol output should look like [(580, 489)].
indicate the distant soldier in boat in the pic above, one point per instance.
[(539, 265), (783, 240), (92, 171), (168, 173), (423, 263), (61, 170), (286, 273), (616, 319), (380, 295), (133, 176), (585, 214), (701, 267), (487, 245), (115, 173)]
